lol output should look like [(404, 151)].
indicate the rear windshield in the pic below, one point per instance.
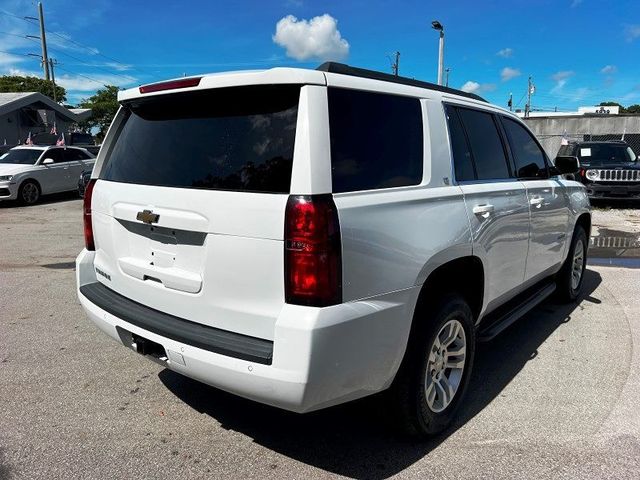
[(238, 139)]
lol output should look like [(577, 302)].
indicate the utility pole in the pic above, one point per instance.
[(436, 25), (52, 62), (510, 102), (530, 90), (395, 66), (447, 70), (43, 40)]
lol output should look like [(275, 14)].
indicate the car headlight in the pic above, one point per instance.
[(593, 174), (5, 178)]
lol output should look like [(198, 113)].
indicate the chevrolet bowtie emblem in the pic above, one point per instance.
[(147, 216)]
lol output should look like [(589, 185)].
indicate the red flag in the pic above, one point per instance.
[(60, 142), (53, 130), (29, 141)]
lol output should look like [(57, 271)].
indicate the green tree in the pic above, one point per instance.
[(103, 105), (17, 83), (635, 109)]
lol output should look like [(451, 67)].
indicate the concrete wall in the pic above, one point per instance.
[(549, 130)]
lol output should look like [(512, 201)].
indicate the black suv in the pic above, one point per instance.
[(609, 170)]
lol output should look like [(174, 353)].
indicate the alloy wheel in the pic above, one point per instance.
[(30, 193), (445, 365), (578, 265)]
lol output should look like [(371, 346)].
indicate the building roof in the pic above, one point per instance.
[(10, 102)]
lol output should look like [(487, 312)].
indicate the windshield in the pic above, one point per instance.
[(238, 139), (21, 156), (605, 153)]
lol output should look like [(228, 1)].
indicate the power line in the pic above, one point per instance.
[(16, 54), (81, 75), (92, 50), (127, 77)]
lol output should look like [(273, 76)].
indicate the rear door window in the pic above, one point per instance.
[(73, 154), (376, 140), (528, 156), (462, 160), (55, 154), (239, 139), (486, 144)]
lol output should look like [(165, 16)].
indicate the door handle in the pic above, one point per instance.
[(536, 201), (482, 209)]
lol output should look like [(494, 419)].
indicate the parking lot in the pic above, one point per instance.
[(555, 396)]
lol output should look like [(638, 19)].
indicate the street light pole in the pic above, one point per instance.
[(436, 25)]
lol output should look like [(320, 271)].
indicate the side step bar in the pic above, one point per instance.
[(513, 314)]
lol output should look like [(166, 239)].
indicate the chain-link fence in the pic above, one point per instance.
[(552, 142)]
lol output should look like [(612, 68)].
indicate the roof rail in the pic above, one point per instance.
[(334, 67)]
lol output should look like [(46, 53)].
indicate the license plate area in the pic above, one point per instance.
[(143, 346)]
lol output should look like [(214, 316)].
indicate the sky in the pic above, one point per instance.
[(578, 52)]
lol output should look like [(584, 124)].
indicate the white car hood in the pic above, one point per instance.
[(14, 168)]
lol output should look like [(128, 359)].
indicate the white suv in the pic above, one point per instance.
[(27, 172), (304, 238)]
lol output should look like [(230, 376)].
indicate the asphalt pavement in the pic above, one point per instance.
[(555, 396)]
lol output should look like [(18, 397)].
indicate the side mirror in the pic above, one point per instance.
[(47, 161), (567, 165)]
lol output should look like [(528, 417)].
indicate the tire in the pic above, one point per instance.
[(571, 277), (419, 411), (29, 193)]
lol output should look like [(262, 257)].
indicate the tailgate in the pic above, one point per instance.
[(188, 211)]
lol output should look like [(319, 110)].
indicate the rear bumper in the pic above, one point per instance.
[(604, 191), (321, 356)]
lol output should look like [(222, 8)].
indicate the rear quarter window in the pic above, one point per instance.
[(376, 140), (239, 139)]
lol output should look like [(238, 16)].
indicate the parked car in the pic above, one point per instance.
[(75, 139), (304, 238), (27, 172), (83, 180), (609, 169)]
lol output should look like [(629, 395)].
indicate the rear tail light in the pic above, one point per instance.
[(313, 257), (171, 85), (582, 172), (86, 214)]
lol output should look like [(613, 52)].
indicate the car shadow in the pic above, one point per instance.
[(353, 439), (615, 204), (44, 200)]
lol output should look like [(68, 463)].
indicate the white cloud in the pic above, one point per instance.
[(318, 38), (562, 75), (575, 3), (631, 32), (508, 73), (608, 69), (475, 87), (561, 78), (470, 87), (8, 59), (505, 53), (91, 82), (23, 73)]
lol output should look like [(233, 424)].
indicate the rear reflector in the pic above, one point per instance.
[(171, 85), (313, 252), (89, 244)]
